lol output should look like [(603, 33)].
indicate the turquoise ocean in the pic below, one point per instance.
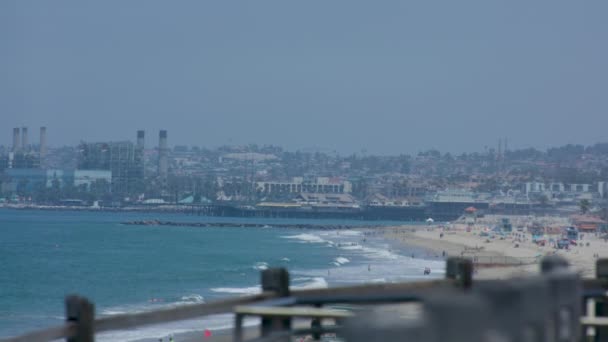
[(45, 255)]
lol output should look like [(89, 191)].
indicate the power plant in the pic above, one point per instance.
[(16, 140), (42, 147), (163, 162), (141, 139), (22, 155), (124, 159), (24, 142)]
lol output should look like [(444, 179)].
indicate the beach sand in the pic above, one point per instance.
[(458, 242)]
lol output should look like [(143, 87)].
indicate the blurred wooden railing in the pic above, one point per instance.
[(547, 307)]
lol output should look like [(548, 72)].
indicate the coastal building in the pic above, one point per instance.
[(533, 187), (299, 185), (588, 224), (327, 200), (558, 188), (450, 204)]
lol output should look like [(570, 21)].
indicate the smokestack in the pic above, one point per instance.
[(42, 142), (162, 154), (24, 138), (16, 139), (140, 139)]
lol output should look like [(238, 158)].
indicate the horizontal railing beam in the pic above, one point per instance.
[(253, 310), (127, 321), (374, 289), (54, 333)]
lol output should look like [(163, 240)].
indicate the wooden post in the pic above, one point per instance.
[(565, 291), (238, 328), (601, 309), (552, 262), (275, 280), (461, 270), (80, 311), (316, 324)]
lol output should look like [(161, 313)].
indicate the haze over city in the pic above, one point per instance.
[(391, 77)]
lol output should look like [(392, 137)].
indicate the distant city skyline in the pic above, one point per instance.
[(387, 78)]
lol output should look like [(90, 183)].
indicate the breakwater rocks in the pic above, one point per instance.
[(240, 224)]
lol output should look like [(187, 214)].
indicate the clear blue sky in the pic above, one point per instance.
[(385, 76)]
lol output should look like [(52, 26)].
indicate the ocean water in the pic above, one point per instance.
[(45, 255)]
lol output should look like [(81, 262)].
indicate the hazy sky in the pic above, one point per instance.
[(385, 76)]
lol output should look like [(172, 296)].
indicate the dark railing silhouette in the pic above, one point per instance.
[(556, 305)]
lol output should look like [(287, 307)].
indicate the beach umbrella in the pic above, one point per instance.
[(430, 220)]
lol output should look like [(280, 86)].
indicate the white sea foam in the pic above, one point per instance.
[(192, 298), (260, 266), (341, 261), (343, 233), (238, 290), (306, 238), (285, 259)]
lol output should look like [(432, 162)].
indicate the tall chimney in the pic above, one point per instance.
[(16, 139), (42, 142), (162, 154), (140, 139), (24, 138)]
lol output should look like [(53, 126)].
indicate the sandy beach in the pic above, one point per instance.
[(496, 258), (515, 255)]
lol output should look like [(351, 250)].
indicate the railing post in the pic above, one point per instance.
[(552, 262), (80, 311), (566, 293), (461, 270), (275, 280), (601, 309)]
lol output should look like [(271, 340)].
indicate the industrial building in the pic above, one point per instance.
[(26, 180), (163, 155), (23, 155), (124, 159)]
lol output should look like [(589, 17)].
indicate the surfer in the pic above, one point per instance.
[(369, 267)]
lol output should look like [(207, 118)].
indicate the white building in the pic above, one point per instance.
[(297, 185)]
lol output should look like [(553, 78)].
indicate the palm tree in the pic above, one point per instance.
[(584, 205)]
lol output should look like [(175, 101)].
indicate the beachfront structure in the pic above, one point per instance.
[(588, 224), (323, 185), (451, 203), (123, 159)]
